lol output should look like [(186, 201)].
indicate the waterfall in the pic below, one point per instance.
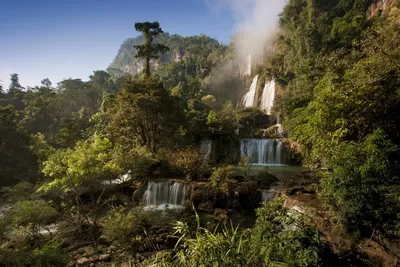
[(248, 70), (263, 151), (249, 98), (267, 98), (269, 194), (205, 148), (162, 195)]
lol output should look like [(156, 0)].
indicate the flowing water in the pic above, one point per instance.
[(248, 99), (205, 148), (163, 195), (268, 96), (269, 194), (263, 151)]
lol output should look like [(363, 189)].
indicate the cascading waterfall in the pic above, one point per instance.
[(268, 96), (163, 195), (205, 148), (248, 70), (249, 98), (263, 151), (269, 194)]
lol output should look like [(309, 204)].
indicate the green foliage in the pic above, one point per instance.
[(279, 238), (189, 161), (35, 214), (139, 161), (145, 115), (365, 171), (123, 225), (148, 50), (17, 163), (221, 179), (83, 169), (50, 254), (222, 121)]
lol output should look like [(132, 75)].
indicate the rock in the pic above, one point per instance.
[(222, 218), (84, 261), (102, 240), (104, 257), (219, 211), (92, 264), (205, 206)]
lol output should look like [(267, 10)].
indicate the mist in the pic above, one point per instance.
[(256, 23)]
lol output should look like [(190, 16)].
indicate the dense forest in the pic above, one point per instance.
[(86, 165)]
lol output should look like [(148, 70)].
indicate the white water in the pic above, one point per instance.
[(163, 195), (248, 70), (205, 148), (269, 194), (268, 96), (263, 151), (249, 98)]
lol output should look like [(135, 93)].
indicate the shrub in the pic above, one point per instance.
[(35, 214), (50, 254), (189, 161), (121, 225), (221, 179)]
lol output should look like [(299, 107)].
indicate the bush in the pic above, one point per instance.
[(362, 182), (50, 254), (221, 179), (121, 225), (35, 214), (189, 161), (279, 238)]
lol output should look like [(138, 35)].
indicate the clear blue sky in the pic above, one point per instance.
[(71, 38)]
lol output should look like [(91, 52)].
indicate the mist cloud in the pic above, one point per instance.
[(255, 20)]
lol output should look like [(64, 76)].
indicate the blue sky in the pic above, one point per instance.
[(59, 39)]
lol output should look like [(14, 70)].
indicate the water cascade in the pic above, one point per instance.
[(163, 195), (263, 151), (249, 98), (267, 98), (248, 70), (269, 194), (205, 147)]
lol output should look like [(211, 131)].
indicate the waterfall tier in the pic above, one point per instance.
[(162, 195), (269, 194), (263, 151), (205, 148), (267, 97), (248, 99)]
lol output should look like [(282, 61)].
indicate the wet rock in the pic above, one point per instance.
[(206, 206), (84, 261), (219, 211), (104, 257), (223, 218)]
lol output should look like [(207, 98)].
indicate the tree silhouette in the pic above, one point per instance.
[(148, 50)]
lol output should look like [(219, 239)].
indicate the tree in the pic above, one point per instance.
[(84, 169), (14, 79), (145, 115), (17, 161), (46, 83), (148, 50)]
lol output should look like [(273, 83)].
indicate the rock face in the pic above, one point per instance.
[(379, 6), (180, 47)]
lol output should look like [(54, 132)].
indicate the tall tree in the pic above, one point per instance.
[(14, 79), (46, 83), (148, 50)]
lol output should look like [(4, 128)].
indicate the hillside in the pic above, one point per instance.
[(180, 47)]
